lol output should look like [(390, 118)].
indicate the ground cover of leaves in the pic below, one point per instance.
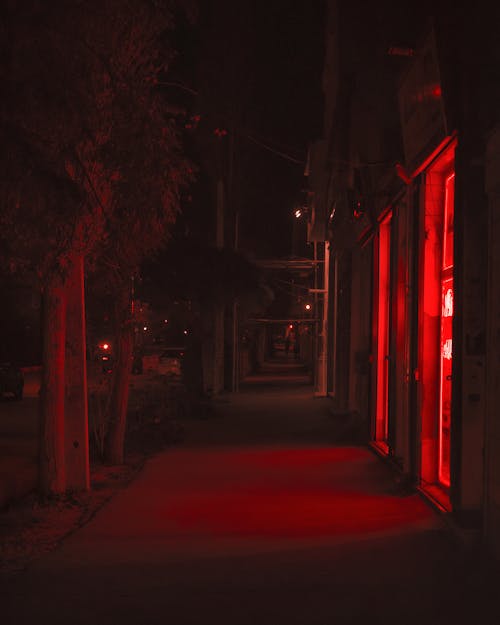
[(31, 527)]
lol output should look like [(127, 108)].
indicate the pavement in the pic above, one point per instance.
[(20, 425), (19, 440), (260, 517)]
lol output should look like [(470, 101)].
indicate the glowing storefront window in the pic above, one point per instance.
[(447, 349), (448, 303), (446, 334), (448, 221), (383, 330)]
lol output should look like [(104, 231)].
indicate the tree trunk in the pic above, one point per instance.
[(76, 417), (52, 477), (219, 322), (117, 418)]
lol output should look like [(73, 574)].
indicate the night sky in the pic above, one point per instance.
[(254, 68), (257, 69)]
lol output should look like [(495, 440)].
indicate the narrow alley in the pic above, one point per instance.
[(261, 516)]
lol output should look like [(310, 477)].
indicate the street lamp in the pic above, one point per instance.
[(301, 211)]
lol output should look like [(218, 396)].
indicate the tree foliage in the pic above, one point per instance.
[(92, 163), (92, 152), (192, 269)]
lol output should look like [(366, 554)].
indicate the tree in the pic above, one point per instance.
[(198, 273), (144, 147), (148, 199), (80, 123)]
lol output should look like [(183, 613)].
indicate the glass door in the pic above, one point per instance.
[(383, 331), (446, 335)]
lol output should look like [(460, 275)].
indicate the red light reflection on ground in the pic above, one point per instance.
[(280, 493)]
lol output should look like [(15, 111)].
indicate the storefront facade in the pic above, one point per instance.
[(430, 266), (413, 283)]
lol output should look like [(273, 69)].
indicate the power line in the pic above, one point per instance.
[(274, 151)]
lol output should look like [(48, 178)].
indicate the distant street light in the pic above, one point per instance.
[(301, 211)]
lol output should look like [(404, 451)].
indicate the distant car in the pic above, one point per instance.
[(107, 362), (104, 355), (169, 361), (11, 380)]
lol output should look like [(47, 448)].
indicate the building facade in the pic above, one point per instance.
[(405, 196)]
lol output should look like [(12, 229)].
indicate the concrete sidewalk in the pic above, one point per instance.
[(259, 518)]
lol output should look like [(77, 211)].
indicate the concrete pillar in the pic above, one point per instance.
[(470, 331), (492, 430), (322, 354)]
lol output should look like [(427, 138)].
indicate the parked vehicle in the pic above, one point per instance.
[(107, 362), (169, 362), (11, 380)]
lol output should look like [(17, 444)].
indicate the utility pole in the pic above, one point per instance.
[(236, 345), (321, 382), (218, 372)]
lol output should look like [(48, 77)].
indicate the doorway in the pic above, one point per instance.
[(435, 326), (382, 325), (446, 339)]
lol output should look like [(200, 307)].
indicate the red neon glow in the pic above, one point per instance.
[(436, 91), (435, 319), (105, 346), (358, 211), (447, 351), (449, 201), (429, 92), (383, 303), (446, 331), (447, 303), (273, 496), (403, 174)]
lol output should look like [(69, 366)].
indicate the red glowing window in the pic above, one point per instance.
[(449, 200), (446, 331), (383, 330), (435, 323)]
